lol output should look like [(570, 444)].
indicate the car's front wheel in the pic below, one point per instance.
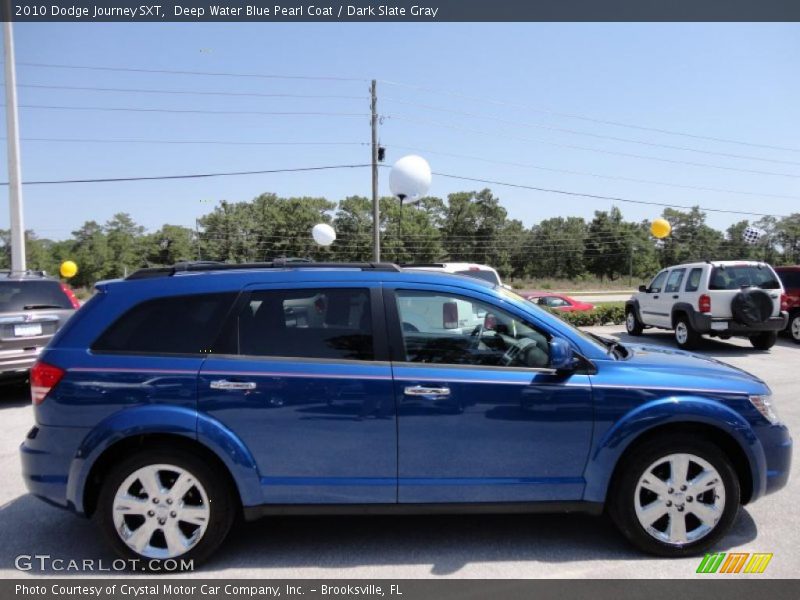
[(675, 496), (165, 504)]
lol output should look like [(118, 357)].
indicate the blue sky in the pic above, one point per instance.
[(735, 81)]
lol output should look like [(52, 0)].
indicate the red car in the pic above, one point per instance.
[(790, 277), (558, 302)]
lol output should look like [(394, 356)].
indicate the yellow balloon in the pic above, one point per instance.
[(660, 228), (68, 269)]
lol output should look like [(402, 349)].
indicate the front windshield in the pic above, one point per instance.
[(583, 334)]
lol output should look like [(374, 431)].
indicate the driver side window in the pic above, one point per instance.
[(658, 283), (448, 329)]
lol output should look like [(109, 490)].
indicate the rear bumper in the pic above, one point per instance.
[(705, 324), (18, 360), (46, 456)]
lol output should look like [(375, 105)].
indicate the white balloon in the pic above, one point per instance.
[(410, 177), (323, 234)]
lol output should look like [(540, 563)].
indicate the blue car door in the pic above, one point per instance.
[(302, 378), (481, 416)]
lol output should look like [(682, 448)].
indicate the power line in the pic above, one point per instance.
[(188, 92), (589, 174), (588, 148), (588, 118), (184, 72), (590, 134), (599, 197), (196, 111), (202, 142), (191, 176)]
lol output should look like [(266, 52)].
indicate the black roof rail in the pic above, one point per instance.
[(201, 266), (410, 265)]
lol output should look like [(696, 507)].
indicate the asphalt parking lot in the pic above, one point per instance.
[(515, 546)]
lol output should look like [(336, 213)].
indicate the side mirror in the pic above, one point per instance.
[(561, 356), (643, 288)]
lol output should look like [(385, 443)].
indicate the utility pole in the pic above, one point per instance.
[(376, 212), (630, 266), (12, 134)]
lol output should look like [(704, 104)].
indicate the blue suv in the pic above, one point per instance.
[(183, 397)]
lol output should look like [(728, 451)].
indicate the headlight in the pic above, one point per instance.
[(764, 406)]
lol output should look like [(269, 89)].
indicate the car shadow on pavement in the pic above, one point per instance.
[(14, 393), (447, 542)]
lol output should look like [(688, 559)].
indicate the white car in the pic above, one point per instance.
[(717, 298), (484, 272)]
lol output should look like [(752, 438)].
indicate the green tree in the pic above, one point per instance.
[(124, 242)]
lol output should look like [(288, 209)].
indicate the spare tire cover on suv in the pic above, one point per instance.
[(751, 306)]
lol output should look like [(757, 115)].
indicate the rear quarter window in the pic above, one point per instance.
[(174, 325)]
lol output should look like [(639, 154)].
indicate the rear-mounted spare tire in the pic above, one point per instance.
[(751, 306)]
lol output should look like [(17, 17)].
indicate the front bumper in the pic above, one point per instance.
[(705, 324), (777, 445), (46, 456)]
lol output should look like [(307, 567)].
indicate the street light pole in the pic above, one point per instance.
[(376, 214), (12, 136)]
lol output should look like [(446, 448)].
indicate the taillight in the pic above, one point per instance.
[(784, 302), (44, 378), (71, 295), (704, 303)]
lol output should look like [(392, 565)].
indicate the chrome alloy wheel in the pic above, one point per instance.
[(161, 511), (630, 321), (679, 499), (681, 332), (795, 328)]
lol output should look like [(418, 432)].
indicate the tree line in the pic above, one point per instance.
[(466, 226)]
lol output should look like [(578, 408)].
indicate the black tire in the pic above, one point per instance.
[(622, 495), (764, 340), (685, 336), (794, 327), (221, 502), (632, 323)]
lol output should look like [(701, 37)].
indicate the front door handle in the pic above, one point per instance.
[(675, 297), (224, 384), (656, 296), (418, 390)]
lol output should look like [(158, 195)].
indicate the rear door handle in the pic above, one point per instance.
[(418, 390), (224, 384), (675, 297), (656, 296)]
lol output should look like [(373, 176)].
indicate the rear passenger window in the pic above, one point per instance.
[(693, 281), (174, 325), (675, 280), (311, 323)]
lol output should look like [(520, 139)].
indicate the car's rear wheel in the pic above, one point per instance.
[(685, 335), (675, 496), (794, 327), (764, 340), (632, 323), (165, 504)]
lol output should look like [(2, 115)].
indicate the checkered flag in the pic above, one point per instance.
[(752, 235)]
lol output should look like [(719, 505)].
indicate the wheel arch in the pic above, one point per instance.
[(726, 429), (682, 309), (139, 428)]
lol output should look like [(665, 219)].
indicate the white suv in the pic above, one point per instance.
[(718, 298)]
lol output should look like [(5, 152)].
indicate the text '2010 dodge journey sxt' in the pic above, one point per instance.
[(179, 398)]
